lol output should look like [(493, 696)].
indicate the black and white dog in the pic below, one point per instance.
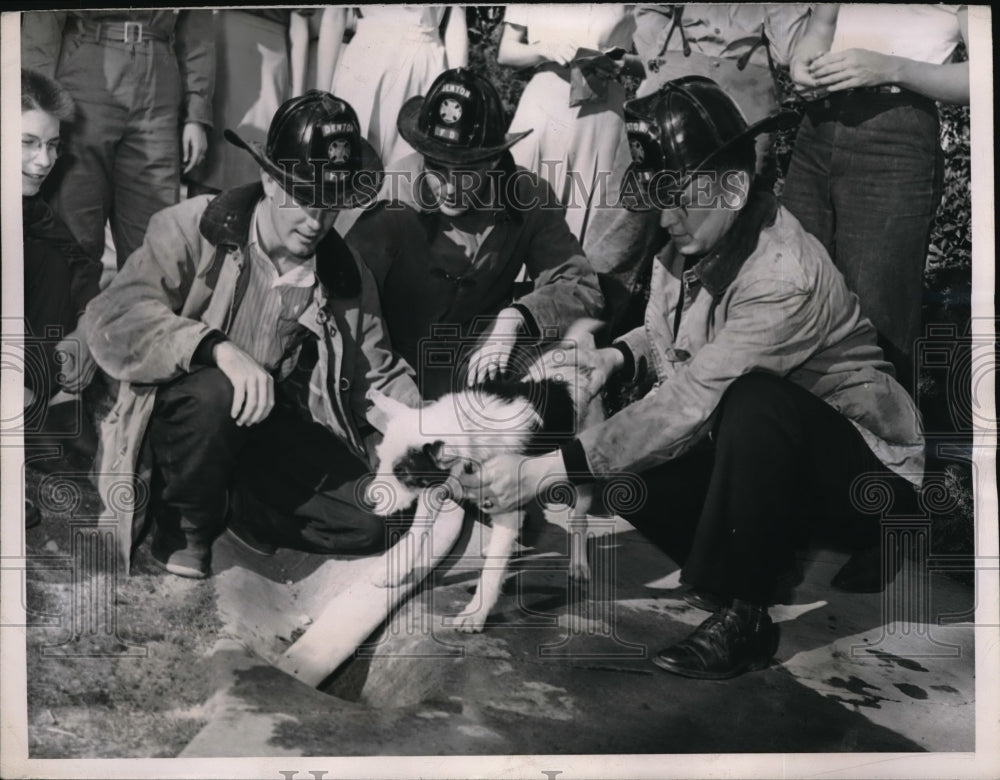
[(448, 439)]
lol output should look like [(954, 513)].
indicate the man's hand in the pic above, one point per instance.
[(489, 361), (851, 68), (253, 387), (510, 481), (76, 365), (590, 367), (194, 143)]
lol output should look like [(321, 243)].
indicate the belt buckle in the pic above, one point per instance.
[(132, 32)]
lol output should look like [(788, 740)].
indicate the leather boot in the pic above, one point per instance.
[(730, 642)]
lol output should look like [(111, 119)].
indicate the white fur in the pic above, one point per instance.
[(475, 426)]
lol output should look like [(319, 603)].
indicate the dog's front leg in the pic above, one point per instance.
[(505, 530), (579, 568)]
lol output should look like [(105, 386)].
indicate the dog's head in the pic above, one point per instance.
[(408, 461)]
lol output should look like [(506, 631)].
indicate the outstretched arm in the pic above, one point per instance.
[(331, 38), (456, 38), (298, 51), (515, 50), (852, 68), (814, 42)]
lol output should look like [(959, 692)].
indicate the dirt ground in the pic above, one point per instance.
[(116, 665)]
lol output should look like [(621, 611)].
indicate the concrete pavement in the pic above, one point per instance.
[(562, 669)]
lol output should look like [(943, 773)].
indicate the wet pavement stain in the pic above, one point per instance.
[(913, 691), (858, 687), (906, 663), (944, 688)]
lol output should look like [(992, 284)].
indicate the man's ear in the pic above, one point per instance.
[(269, 182), (736, 189)]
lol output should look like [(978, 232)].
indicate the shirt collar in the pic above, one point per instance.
[(301, 275)]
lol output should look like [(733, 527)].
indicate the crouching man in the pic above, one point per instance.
[(771, 405), (245, 335)]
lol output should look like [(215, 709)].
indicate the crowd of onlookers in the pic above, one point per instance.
[(750, 334)]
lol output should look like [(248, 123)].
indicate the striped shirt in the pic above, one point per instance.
[(269, 312)]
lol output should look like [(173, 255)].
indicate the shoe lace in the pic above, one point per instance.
[(719, 631)]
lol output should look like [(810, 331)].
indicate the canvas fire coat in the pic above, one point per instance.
[(185, 281)]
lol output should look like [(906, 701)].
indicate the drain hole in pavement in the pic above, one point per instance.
[(348, 680), (384, 682)]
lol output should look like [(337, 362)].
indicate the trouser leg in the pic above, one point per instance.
[(147, 165), (865, 179), (90, 73), (784, 461), (195, 444), (808, 183), (49, 313), (301, 487), (885, 197)]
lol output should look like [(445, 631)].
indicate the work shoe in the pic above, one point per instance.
[(245, 536), (193, 560), (865, 572), (730, 642), (240, 525)]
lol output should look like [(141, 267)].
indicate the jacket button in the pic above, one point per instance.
[(344, 384)]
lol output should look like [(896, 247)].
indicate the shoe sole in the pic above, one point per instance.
[(696, 675), (178, 570), (267, 552)]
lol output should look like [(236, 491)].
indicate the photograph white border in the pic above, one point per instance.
[(985, 762)]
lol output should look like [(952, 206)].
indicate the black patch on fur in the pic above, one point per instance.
[(552, 402), (420, 468)]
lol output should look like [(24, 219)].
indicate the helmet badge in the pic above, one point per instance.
[(638, 153), (339, 151), (450, 110)]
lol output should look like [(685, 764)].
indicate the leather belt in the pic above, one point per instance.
[(119, 32), (882, 89)]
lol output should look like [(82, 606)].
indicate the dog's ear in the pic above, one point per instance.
[(434, 450)]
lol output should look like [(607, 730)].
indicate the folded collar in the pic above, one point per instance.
[(720, 266), (227, 220)]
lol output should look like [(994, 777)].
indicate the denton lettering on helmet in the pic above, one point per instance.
[(458, 89), (339, 127)]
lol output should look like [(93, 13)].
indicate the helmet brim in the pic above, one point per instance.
[(358, 190), (784, 119), (407, 124)]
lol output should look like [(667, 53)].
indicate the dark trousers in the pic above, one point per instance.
[(781, 464), (123, 161), (291, 480), (865, 179), (48, 311)]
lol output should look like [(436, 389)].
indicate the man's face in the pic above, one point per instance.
[(39, 148), (297, 228), (457, 189), (705, 211)]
